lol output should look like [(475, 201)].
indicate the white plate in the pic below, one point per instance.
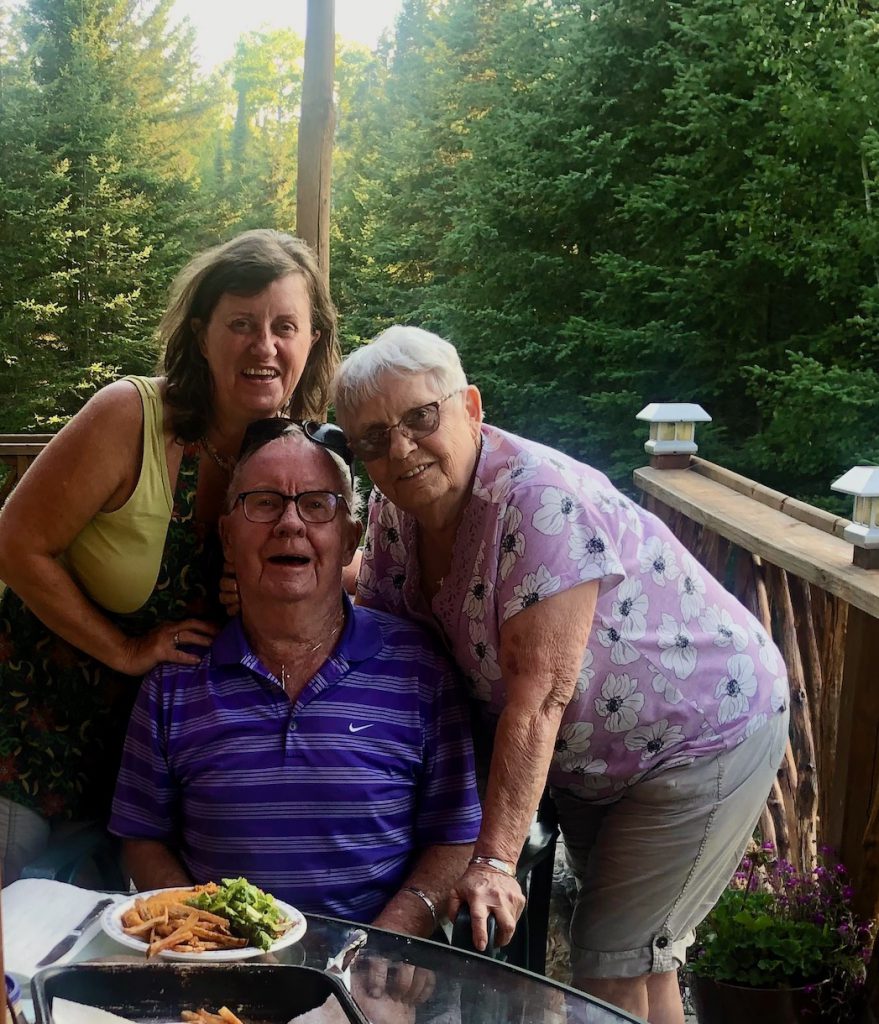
[(111, 922)]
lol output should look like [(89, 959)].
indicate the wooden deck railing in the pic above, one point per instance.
[(17, 452), (789, 564)]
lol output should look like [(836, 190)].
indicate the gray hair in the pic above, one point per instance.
[(350, 490), (396, 352)]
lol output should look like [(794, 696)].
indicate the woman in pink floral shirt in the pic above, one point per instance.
[(603, 656)]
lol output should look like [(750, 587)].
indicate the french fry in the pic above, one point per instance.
[(223, 1016), (165, 923), (175, 939)]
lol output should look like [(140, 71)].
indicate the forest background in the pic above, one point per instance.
[(603, 203)]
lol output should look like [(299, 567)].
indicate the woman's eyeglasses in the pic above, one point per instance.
[(311, 506), (327, 435), (422, 421)]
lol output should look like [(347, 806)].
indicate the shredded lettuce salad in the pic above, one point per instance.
[(253, 914)]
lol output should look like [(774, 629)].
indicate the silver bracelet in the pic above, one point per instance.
[(503, 866), (426, 900)]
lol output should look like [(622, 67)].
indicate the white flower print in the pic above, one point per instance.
[(477, 598), (671, 694), (389, 540), (678, 647), (533, 588), (766, 649), (391, 585), (483, 651), (556, 508), (590, 772), (778, 699), (585, 676), (621, 651), (572, 742), (590, 548), (570, 477), (654, 739), (613, 503), (657, 557), (517, 469), (735, 688), (619, 703), (691, 587), (366, 578), (757, 722), (719, 622), (630, 609), (512, 542)]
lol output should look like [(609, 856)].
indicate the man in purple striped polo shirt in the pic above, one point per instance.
[(320, 750)]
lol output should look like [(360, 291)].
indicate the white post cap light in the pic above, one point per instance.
[(672, 427), (863, 483)]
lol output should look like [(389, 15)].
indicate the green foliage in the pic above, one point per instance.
[(776, 927), (745, 943), (626, 201), (96, 204), (602, 204)]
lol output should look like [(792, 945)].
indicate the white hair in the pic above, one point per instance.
[(350, 490), (396, 352)]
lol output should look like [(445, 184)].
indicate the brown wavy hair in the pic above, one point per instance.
[(245, 265)]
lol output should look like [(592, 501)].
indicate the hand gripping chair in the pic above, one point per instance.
[(534, 871)]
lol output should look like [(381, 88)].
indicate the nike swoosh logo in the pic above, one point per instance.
[(358, 728)]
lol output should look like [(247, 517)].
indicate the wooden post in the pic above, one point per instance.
[(856, 775), (316, 126)]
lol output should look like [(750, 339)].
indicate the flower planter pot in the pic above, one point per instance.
[(717, 1002)]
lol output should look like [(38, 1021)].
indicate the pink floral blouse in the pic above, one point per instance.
[(675, 667)]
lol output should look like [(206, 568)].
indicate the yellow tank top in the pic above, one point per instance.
[(117, 556)]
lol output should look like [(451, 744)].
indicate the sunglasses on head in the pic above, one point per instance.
[(327, 435)]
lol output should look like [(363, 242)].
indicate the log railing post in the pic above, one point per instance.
[(855, 780)]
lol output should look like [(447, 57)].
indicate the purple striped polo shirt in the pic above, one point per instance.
[(325, 802)]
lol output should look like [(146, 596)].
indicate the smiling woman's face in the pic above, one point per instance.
[(256, 347), (429, 477)]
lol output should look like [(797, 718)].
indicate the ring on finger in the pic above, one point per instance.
[(176, 639)]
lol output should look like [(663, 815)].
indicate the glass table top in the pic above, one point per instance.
[(400, 980)]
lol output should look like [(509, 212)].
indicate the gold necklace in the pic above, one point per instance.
[(225, 462), (310, 650)]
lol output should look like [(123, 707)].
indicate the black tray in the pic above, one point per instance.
[(257, 993)]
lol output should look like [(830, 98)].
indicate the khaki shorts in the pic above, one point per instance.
[(650, 866)]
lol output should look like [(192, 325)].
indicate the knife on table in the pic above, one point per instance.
[(70, 939)]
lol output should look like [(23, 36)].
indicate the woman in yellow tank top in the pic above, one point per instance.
[(107, 544)]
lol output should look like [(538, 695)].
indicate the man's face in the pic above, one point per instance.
[(289, 560)]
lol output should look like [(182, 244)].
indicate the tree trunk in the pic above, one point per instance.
[(316, 131)]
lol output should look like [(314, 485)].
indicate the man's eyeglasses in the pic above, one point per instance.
[(269, 506), (327, 435), (422, 421)]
